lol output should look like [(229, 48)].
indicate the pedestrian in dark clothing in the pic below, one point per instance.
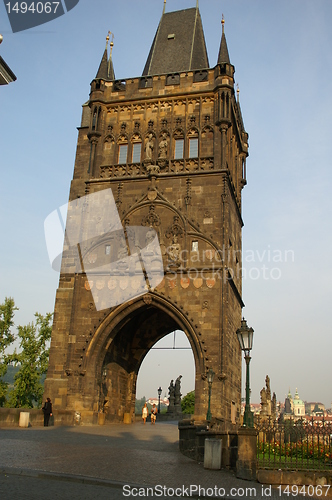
[(47, 409)]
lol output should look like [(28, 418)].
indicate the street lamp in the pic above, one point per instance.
[(245, 336), (210, 377), (159, 394)]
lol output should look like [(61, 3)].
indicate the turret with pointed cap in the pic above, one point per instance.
[(106, 70), (223, 56)]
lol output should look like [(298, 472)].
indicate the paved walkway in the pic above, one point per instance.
[(135, 455)]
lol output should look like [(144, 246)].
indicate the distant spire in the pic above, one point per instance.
[(238, 92), (223, 56), (106, 70), (111, 74)]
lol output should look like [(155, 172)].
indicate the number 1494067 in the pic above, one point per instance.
[(32, 7), (305, 491)]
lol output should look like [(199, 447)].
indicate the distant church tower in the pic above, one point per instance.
[(172, 147)]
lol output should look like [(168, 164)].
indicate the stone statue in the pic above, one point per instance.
[(264, 407), (171, 397), (162, 152), (150, 236), (177, 391), (268, 388), (174, 250), (149, 145), (263, 396), (122, 250), (274, 406)]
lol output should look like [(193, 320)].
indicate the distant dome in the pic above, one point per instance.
[(297, 401)]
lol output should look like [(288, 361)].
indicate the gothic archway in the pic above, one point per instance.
[(120, 345)]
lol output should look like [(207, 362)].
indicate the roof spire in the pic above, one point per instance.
[(238, 92), (106, 71), (110, 69), (223, 56), (103, 71), (164, 7)]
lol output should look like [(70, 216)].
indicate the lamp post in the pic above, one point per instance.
[(159, 394), (210, 377), (245, 336)]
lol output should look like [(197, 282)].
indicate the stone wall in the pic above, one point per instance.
[(9, 417)]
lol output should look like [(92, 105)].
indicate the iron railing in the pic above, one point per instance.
[(294, 444)]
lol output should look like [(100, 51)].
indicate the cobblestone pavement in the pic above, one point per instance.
[(111, 456)]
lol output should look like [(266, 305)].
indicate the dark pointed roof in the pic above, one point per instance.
[(178, 45), (111, 74), (6, 74), (106, 69), (223, 56), (103, 68)]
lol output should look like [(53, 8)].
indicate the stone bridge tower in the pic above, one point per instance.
[(171, 146)]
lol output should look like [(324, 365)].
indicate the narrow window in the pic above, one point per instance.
[(107, 249), (194, 246), (137, 148), (193, 148), (94, 119), (178, 153), (233, 413), (123, 149)]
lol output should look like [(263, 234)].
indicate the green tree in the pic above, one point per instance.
[(32, 361), (188, 403), (6, 339)]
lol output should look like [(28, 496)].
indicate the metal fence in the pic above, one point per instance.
[(294, 444)]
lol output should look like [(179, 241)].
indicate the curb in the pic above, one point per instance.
[(58, 476)]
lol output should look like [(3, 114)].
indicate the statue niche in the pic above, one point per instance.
[(163, 150)]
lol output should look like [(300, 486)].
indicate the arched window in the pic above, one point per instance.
[(193, 147), (178, 145), (95, 118), (123, 152), (193, 143), (137, 151)]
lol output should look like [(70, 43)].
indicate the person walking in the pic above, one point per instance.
[(145, 413), (154, 412), (47, 409)]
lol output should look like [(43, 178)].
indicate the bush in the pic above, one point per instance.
[(188, 403)]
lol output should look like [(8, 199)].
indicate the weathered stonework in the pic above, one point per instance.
[(194, 205)]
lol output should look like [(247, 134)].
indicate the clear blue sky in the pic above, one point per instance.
[(282, 52)]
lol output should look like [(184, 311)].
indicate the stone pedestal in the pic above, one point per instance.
[(101, 418), (127, 418), (247, 454), (212, 454), (24, 419)]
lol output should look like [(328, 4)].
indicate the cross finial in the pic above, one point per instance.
[(223, 23), (164, 6), (107, 40), (238, 92)]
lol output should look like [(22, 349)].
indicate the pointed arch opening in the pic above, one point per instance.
[(121, 344)]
